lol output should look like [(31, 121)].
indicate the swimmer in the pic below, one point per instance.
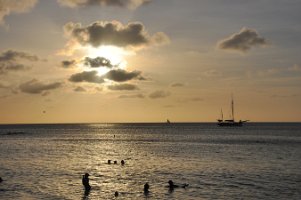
[(85, 181), (146, 188), (172, 186)]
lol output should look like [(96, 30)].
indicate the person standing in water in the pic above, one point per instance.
[(85, 182), (146, 188)]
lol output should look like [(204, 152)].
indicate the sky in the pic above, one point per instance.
[(84, 61)]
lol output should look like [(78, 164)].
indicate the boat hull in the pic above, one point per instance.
[(230, 123)]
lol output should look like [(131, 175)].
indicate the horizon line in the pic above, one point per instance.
[(176, 122)]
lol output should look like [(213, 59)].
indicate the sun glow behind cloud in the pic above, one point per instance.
[(116, 56)]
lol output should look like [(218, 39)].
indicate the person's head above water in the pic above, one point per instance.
[(170, 182), (146, 187)]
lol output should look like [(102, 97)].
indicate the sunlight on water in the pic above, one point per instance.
[(48, 161)]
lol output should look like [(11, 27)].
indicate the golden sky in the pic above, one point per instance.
[(69, 61)]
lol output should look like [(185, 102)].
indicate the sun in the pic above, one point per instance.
[(115, 54)]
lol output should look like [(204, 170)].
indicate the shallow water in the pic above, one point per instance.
[(258, 161)]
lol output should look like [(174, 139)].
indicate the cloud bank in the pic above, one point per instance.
[(86, 76), (120, 75), (132, 4), (242, 41), (68, 63), (123, 87), (14, 6), (36, 87), (132, 35), (11, 60), (98, 62), (11, 55), (159, 94)]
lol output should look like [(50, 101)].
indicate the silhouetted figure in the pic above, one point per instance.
[(109, 161), (116, 194), (85, 182), (115, 162), (122, 162), (146, 188), (1, 180), (172, 186)]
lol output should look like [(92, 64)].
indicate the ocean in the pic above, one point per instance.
[(47, 161)]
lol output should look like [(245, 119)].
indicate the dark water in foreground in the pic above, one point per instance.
[(258, 161)]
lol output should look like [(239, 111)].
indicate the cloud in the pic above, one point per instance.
[(132, 35), (86, 76), (10, 60), (120, 75), (11, 55), (123, 87), (6, 67), (132, 4), (177, 85), (98, 62), (159, 94), (141, 96), (80, 89), (36, 87), (14, 6), (68, 63), (242, 41)]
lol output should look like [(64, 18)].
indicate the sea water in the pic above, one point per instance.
[(256, 161)]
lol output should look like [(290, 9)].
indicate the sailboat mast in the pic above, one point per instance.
[(222, 115), (232, 106)]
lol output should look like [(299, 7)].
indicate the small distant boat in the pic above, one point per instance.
[(231, 121)]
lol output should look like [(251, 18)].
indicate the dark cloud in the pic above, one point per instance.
[(114, 33), (86, 76), (132, 4), (159, 94), (243, 41), (123, 87), (11, 60), (11, 55), (177, 85), (98, 62), (36, 87), (140, 96), (68, 63), (80, 89), (120, 75), (14, 6), (6, 67)]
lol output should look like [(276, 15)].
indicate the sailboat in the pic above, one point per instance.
[(231, 121)]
